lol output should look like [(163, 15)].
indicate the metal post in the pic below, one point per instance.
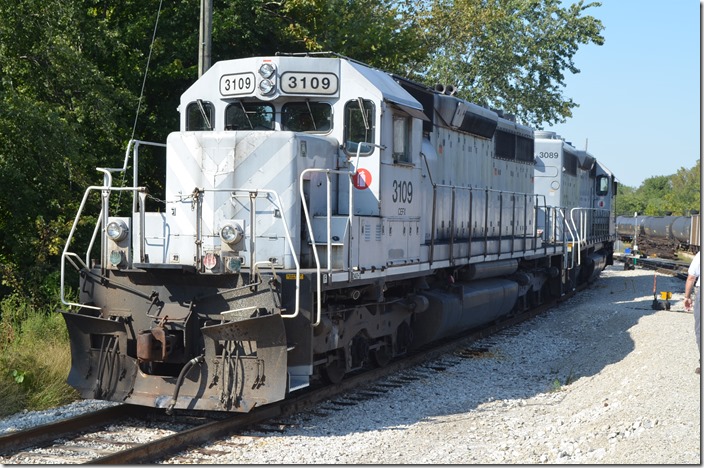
[(205, 36)]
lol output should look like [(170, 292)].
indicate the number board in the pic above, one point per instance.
[(236, 84), (309, 83)]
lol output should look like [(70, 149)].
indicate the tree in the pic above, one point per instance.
[(381, 33), (508, 54), (628, 201), (653, 190), (59, 118), (678, 194), (686, 190)]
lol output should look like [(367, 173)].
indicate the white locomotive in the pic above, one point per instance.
[(320, 215)]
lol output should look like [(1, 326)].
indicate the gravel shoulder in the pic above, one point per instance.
[(600, 379)]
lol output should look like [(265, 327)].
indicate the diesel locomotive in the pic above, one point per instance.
[(319, 216)]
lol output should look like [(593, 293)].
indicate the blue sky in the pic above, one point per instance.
[(639, 93)]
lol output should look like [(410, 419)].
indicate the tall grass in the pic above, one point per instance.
[(35, 357)]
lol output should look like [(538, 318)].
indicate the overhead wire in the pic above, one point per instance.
[(141, 93)]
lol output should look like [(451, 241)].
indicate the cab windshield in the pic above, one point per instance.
[(249, 116), (306, 117)]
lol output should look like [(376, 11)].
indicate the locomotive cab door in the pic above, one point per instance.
[(400, 196)]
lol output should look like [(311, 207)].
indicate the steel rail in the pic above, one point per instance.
[(47, 433)]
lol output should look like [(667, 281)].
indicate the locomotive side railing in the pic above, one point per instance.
[(72, 257), (526, 201), (328, 219), (554, 219), (105, 191), (591, 225)]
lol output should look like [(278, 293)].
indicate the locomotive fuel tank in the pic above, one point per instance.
[(462, 306)]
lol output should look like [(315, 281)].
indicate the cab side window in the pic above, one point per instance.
[(200, 116), (306, 117), (249, 116), (401, 152), (602, 185), (359, 126)]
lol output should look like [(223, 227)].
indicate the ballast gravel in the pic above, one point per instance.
[(602, 378)]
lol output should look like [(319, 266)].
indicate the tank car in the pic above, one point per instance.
[(319, 216), (660, 236)]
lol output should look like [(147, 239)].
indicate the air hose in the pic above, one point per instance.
[(179, 382)]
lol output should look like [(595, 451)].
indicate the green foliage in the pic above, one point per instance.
[(677, 194), (59, 118), (509, 54), (686, 190), (556, 385), (18, 376), (381, 33), (34, 357)]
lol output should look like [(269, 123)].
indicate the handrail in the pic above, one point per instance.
[(328, 218), (583, 234), (65, 253), (135, 164), (254, 193), (572, 238)]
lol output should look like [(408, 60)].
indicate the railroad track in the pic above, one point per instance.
[(96, 438), (661, 265)]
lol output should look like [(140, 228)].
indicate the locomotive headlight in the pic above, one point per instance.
[(266, 87), (231, 233), (267, 70), (116, 230)]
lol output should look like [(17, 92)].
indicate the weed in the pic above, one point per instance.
[(557, 385), (18, 376), (35, 358)]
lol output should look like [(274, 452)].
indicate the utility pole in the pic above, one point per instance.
[(205, 36)]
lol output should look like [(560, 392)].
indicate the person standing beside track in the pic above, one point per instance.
[(691, 288)]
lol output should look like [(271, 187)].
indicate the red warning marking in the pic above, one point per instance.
[(362, 179)]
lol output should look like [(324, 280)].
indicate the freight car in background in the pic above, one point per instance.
[(321, 215), (661, 236)]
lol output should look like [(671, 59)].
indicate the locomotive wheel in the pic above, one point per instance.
[(334, 371), (382, 356)]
